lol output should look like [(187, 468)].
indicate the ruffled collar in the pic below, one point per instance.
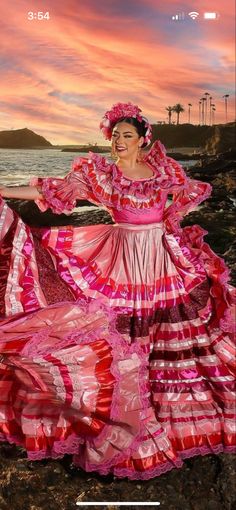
[(154, 156), (144, 187)]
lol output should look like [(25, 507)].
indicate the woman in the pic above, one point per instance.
[(116, 340)]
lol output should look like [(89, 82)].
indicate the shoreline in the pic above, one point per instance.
[(184, 153)]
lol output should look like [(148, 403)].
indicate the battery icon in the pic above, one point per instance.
[(210, 15)]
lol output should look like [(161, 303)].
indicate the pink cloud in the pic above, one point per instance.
[(61, 75)]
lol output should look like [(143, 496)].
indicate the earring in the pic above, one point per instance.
[(113, 154), (139, 155)]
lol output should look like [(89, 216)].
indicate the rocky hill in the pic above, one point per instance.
[(22, 139), (211, 139), (222, 139)]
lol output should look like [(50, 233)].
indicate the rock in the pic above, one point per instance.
[(58, 470), (87, 148), (176, 490), (22, 467), (183, 157), (3, 504), (226, 480), (222, 138), (31, 215)]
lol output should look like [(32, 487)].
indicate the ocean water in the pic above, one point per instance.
[(17, 166)]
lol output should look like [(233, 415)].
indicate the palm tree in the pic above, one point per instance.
[(210, 109), (213, 114), (178, 108), (206, 94), (203, 114), (203, 99), (189, 106), (226, 112), (169, 110), (200, 103)]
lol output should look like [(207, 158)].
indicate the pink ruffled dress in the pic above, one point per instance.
[(116, 340)]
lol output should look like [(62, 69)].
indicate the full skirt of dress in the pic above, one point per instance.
[(116, 345)]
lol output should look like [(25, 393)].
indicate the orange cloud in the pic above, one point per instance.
[(59, 76)]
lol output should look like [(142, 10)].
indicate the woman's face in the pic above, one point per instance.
[(125, 140)]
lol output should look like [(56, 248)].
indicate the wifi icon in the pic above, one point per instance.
[(193, 14)]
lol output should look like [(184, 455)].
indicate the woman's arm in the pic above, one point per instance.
[(61, 194), (20, 192)]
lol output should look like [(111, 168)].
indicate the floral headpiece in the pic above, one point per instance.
[(120, 111)]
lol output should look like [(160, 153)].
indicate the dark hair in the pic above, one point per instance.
[(140, 126)]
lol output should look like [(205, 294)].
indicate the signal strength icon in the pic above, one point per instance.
[(178, 17), (193, 14)]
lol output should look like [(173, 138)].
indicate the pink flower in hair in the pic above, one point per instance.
[(122, 110)]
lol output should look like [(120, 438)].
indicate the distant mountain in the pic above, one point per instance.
[(22, 139)]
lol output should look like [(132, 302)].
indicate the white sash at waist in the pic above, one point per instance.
[(134, 226)]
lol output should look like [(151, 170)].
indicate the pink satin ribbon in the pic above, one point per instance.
[(133, 226)]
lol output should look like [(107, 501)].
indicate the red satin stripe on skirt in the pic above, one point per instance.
[(5, 261)]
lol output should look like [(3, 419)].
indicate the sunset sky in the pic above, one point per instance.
[(59, 76)]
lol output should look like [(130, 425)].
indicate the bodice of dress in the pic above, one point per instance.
[(140, 201), (138, 217)]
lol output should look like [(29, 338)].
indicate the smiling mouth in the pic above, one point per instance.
[(120, 148)]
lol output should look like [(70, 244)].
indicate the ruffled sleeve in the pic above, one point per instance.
[(187, 193), (61, 194)]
